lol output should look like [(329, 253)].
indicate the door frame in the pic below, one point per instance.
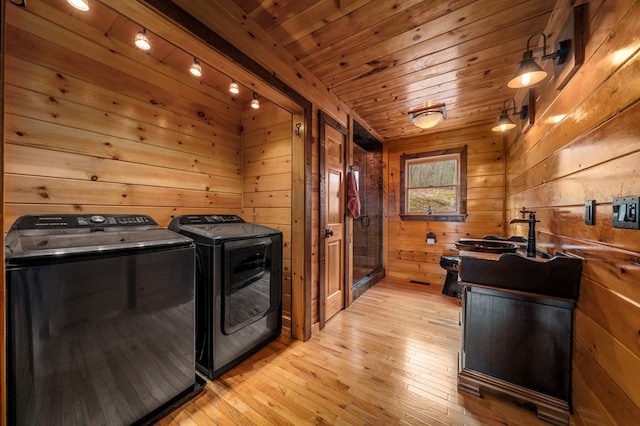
[(324, 119)]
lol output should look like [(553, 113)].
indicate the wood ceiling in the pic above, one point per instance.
[(384, 58)]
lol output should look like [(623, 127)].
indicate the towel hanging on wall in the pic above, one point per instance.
[(353, 198)]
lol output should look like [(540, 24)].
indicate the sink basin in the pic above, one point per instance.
[(558, 276), (487, 246)]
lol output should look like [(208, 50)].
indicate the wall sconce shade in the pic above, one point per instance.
[(233, 88), (429, 117), (528, 73), (196, 68), (255, 103), (79, 4), (141, 40), (504, 123)]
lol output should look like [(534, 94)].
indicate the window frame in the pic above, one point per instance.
[(461, 157)]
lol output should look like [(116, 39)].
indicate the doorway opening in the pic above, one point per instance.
[(367, 229)]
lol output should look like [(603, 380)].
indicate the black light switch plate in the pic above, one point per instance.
[(589, 212)]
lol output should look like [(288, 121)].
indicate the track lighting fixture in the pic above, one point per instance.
[(255, 103), (196, 68), (141, 40), (79, 4), (428, 117), (504, 123), (233, 88)]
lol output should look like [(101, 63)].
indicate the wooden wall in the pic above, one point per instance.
[(267, 180), (88, 129), (408, 255), (585, 145)]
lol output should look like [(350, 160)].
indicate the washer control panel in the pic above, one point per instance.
[(82, 221)]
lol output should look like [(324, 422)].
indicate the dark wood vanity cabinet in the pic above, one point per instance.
[(518, 344)]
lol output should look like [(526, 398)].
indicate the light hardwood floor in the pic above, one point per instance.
[(391, 358)]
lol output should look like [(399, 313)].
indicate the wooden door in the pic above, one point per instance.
[(334, 231), (333, 141)]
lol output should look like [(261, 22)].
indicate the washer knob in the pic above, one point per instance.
[(97, 219)]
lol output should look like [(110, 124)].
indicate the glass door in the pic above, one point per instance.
[(367, 229)]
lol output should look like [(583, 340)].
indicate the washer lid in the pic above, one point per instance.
[(48, 236)]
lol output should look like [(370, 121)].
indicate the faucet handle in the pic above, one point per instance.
[(524, 211)]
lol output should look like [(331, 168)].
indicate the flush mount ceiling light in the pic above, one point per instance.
[(79, 4), (428, 117), (568, 56), (141, 40), (233, 88), (255, 104), (196, 68), (504, 123)]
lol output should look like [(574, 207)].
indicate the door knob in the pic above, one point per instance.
[(328, 233)]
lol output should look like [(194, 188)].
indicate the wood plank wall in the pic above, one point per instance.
[(230, 22), (267, 180), (585, 145), (408, 255), (88, 129)]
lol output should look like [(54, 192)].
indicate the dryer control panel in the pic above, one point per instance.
[(210, 219)]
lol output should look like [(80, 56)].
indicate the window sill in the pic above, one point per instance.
[(435, 217)]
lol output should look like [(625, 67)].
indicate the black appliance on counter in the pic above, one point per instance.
[(238, 288), (100, 315)]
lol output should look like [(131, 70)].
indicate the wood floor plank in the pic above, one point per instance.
[(390, 359)]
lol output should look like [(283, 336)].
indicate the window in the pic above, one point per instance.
[(433, 185)]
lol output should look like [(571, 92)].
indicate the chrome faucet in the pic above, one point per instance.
[(531, 239)]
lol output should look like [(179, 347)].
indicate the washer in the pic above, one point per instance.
[(238, 288), (100, 315)]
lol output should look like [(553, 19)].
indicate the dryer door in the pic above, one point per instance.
[(248, 279)]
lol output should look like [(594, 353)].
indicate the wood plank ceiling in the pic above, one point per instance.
[(384, 58)]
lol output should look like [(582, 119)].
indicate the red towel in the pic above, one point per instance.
[(353, 198)]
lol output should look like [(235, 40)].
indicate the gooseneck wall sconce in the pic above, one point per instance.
[(504, 123), (529, 72), (428, 117), (568, 55)]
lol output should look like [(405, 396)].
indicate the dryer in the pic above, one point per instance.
[(238, 288)]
